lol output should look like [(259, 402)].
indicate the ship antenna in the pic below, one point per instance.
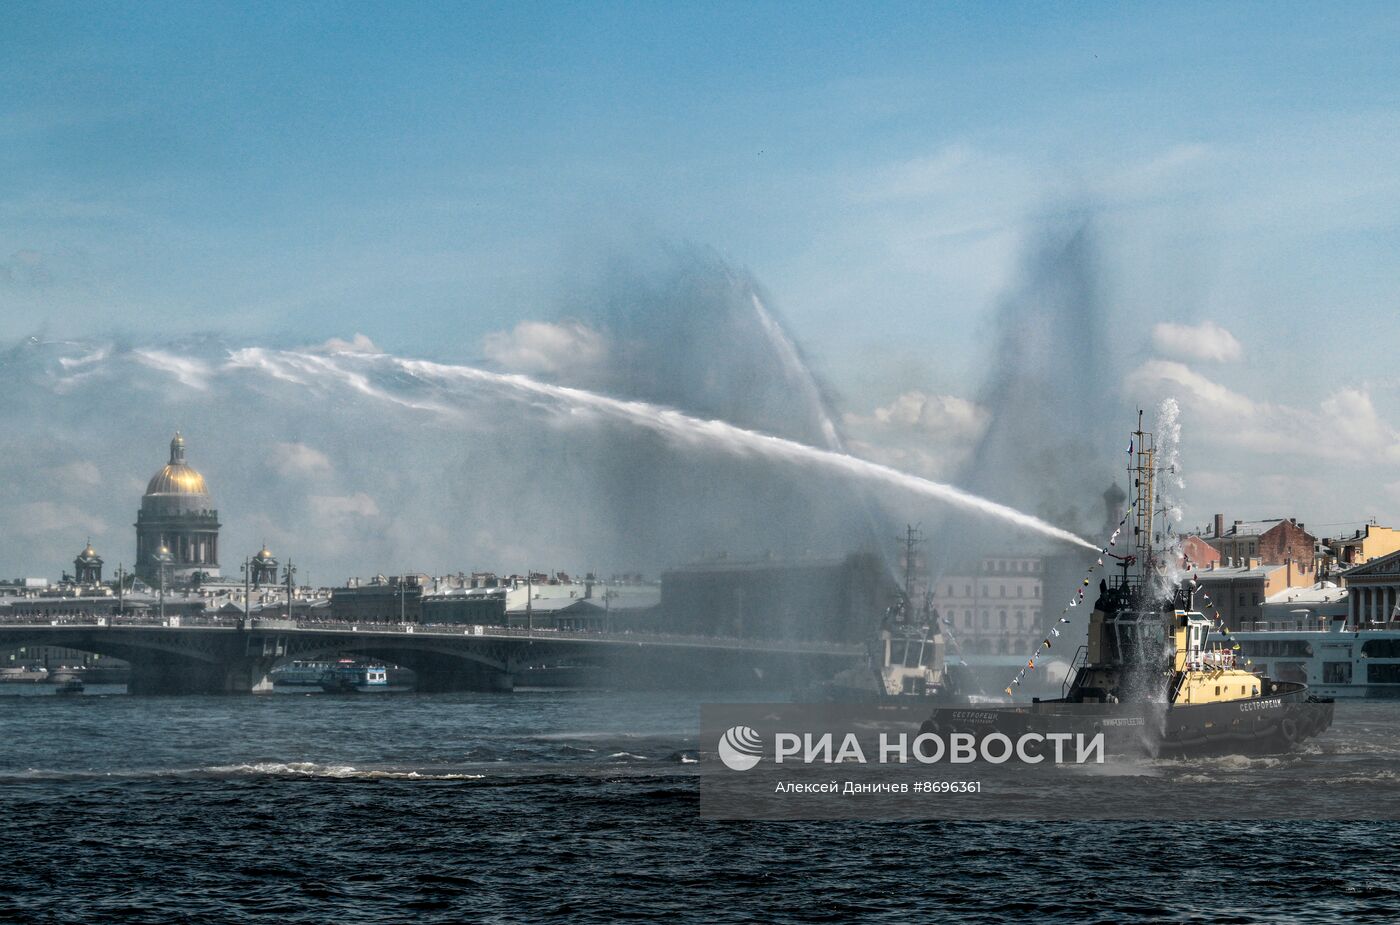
[(1142, 470), (913, 539)]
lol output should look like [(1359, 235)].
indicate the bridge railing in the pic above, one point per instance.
[(223, 621), (545, 633), (112, 619)]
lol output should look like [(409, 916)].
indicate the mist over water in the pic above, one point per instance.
[(687, 330), (1053, 436)]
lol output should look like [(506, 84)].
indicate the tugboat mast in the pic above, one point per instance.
[(1143, 470), (913, 539)]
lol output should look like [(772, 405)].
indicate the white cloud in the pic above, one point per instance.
[(338, 506), (566, 349), (1205, 341), (920, 177), (87, 359), (931, 435), (1356, 423), (1156, 174), (940, 415), (299, 459), (190, 372), (357, 344), (81, 472), (37, 518), (1343, 427), (25, 268), (1201, 393)]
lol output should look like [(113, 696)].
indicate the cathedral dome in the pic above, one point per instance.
[(177, 528), (177, 478)]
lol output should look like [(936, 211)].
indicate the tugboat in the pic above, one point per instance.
[(1148, 676), (348, 677), (905, 658)]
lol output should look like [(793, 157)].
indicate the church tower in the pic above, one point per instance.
[(1113, 500), (87, 568), (264, 569)]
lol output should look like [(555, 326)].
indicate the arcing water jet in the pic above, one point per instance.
[(678, 428)]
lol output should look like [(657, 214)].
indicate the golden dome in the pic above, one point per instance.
[(265, 553), (177, 478), (88, 552)]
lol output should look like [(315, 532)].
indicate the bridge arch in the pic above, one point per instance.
[(160, 662)]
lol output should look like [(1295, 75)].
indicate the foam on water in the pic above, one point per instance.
[(334, 771)]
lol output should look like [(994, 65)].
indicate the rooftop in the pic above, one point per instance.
[(1223, 573), (1251, 527), (1242, 528), (1320, 593)]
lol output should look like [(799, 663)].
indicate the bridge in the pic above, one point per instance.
[(206, 654)]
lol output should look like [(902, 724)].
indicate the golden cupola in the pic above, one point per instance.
[(178, 477)]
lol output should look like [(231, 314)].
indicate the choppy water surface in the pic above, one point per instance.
[(582, 807)]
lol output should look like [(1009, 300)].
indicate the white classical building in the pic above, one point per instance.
[(1373, 589)]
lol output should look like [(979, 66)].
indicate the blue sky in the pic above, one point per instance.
[(430, 175)]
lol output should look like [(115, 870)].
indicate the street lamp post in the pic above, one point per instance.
[(163, 561), (247, 588), (291, 570)]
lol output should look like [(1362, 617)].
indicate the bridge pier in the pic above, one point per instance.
[(249, 676)]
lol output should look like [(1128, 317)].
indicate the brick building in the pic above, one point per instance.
[(1198, 552), (1271, 542)]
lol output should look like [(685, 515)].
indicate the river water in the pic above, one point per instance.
[(583, 807)]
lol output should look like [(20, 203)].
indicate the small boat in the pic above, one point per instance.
[(348, 677), (301, 673), (69, 686)]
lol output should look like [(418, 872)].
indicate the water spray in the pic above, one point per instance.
[(675, 426)]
